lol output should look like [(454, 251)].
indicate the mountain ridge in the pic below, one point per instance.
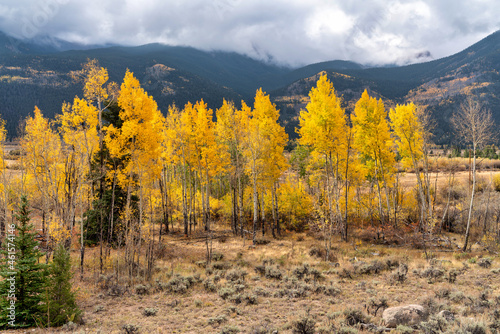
[(42, 76)]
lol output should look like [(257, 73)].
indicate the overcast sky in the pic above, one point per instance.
[(293, 32)]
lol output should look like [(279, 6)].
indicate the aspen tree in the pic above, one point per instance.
[(373, 140), (324, 129), (475, 126), (210, 156), (264, 145), (98, 95), (409, 134), (43, 170), (231, 123), (79, 130), (322, 126), (139, 140), (179, 144)]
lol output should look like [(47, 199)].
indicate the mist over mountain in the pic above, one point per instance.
[(38, 72)]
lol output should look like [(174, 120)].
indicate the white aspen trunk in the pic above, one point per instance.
[(207, 201), (255, 203), (469, 218)]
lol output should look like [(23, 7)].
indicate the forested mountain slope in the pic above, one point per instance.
[(36, 74)]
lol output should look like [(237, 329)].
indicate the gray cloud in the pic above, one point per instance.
[(291, 32)]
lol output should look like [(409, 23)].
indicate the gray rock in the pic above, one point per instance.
[(404, 315)]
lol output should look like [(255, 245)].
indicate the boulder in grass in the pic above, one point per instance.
[(404, 315)]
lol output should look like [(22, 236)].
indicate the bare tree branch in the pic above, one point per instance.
[(475, 127)]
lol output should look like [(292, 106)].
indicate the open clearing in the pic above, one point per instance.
[(270, 287)]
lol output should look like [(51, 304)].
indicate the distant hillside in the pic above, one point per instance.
[(439, 85), (35, 73), (46, 82)]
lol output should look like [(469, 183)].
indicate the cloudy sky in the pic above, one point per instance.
[(293, 32)]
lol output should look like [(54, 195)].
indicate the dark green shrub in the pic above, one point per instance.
[(452, 276), (209, 285), (347, 330), (373, 267), (375, 304), (332, 291), (260, 269), (273, 272), (457, 296), (130, 329), (217, 256), (141, 289), (251, 299), (263, 328), (484, 262), (304, 325), (432, 273), (226, 292), (434, 325), (230, 330), (262, 241), (217, 320), (301, 272), (236, 298), (261, 292), (149, 312), (268, 262), (316, 274), (221, 265), (472, 328), (178, 284), (392, 263), (354, 317), (442, 293), (235, 275)]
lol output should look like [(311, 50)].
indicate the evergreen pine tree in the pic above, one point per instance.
[(24, 278), (60, 306)]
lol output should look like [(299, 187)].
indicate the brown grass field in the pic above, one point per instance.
[(357, 277), (275, 287)]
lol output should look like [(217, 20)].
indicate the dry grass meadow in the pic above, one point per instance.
[(284, 285), (270, 288)]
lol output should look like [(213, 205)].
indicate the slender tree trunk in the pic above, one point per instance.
[(469, 218), (234, 219), (163, 195), (3, 214), (255, 205), (112, 211), (273, 209), (129, 254), (450, 187), (387, 198), (423, 200), (192, 202), (381, 213), (263, 212), (207, 194), (346, 212), (486, 211), (240, 205), (82, 246), (329, 171), (100, 239), (184, 200)]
